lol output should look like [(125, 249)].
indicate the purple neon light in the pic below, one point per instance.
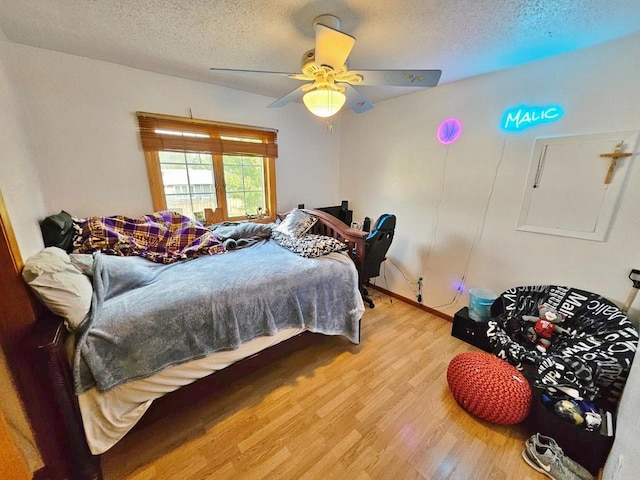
[(449, 131)]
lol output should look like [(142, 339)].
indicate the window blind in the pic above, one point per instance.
[(168, 133)]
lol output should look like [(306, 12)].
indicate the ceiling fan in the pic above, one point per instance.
[(331, 80)]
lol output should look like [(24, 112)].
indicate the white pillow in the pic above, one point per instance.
[(296, 223), (64, 289)]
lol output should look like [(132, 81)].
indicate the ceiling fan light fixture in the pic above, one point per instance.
[(325, 70), (324, 101)]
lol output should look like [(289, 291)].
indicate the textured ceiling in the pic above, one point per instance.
[(184, 38)]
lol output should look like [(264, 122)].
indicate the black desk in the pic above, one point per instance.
[(341, 213)]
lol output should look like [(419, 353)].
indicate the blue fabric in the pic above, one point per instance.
[(147, 316)]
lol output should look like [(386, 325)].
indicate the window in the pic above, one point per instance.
[(195, 165)]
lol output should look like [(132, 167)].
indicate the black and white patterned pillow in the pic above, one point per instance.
[(310, 245)]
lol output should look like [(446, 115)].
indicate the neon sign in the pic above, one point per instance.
[(449, 131), (521, 117)]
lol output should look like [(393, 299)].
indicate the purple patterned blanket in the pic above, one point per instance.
[(162, 237)]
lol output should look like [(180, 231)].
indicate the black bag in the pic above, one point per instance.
[(57, 231)]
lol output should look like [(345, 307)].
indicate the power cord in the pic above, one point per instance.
[(402, 273), (419, 283), (479, 232), (477, 236), (386, 284), (434, 228)]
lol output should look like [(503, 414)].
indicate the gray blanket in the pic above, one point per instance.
[(148, 316), (236, 235)]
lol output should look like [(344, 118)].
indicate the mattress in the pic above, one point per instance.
[(108, 416)]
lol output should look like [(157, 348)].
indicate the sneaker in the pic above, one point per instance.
[(547, 462), (572, 465)]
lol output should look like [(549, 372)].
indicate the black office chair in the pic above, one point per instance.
[(377, 244)]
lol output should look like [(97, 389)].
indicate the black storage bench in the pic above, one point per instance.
[(470, 330)]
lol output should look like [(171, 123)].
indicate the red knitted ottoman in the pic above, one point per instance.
[(489, 388)]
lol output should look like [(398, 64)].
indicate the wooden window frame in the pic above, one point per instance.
[(217, 146)]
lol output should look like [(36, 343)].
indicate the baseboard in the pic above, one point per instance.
[(411, 302)]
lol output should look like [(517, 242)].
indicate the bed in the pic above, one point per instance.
[(105, 375)]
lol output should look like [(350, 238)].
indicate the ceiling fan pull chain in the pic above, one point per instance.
[(329, 126)]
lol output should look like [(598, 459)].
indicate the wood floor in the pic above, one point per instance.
[(333, 410)]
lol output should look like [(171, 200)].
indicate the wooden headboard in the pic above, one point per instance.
[(332, 227)]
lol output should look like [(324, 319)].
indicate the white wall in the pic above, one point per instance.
[(20, 189), (19, 180), (81, 131), (623, 462), (457, 205), (80, 119), (69, 141)]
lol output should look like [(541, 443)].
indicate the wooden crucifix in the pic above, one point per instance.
[(617, 153)]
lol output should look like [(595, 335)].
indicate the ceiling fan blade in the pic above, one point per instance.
[(355, 100), (293, 96), (332, 46), (399, 78), (232, 70)]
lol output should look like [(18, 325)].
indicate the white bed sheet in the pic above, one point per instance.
[(108, 416)]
